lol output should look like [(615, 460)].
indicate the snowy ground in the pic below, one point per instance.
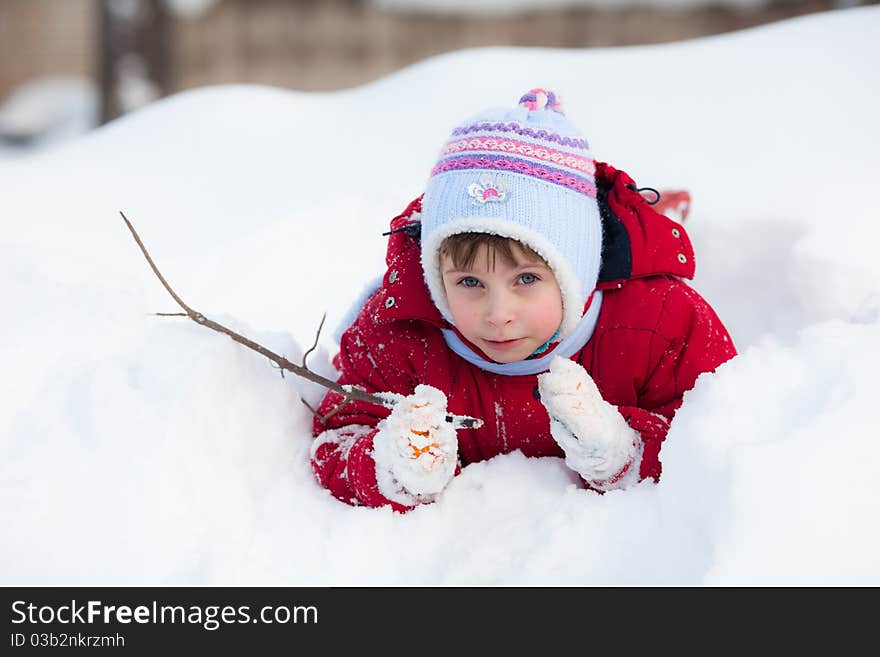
[(147, 450)]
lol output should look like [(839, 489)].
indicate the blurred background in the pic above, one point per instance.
[(67, 66)]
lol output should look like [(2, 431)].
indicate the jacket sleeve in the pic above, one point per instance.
[(688, 341), (374, 359)]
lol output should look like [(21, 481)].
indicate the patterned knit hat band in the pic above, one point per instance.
[(520, 146)]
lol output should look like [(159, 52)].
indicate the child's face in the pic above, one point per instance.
[(506, 310)]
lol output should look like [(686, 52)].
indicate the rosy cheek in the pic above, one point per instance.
[(459, 304)]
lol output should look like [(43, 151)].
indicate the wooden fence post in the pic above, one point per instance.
[(134, 54)]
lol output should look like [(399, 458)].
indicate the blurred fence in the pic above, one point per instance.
[(330, 44)]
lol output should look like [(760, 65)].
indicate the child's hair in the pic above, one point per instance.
[(462, 249)]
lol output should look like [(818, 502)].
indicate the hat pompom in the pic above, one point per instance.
[(538, 99)]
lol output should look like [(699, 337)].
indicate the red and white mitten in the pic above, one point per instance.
[(597, 441), (416, 448)]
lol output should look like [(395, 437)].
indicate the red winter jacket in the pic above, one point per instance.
[(654, 337)]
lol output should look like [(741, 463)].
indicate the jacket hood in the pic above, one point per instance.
[(637, 242)]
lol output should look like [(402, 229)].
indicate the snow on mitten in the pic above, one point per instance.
[(598, 443), (415, 449)]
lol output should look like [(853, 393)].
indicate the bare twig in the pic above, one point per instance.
[(317, 337), (349, 393), (323, 418)]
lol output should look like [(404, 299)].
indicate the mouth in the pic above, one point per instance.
[(503, 345)]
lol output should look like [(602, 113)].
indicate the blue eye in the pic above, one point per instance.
[(469, 281), (528, 279)]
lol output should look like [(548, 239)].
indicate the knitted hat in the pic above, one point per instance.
[(525, 173)]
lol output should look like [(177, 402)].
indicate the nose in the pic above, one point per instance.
[(500, 308)]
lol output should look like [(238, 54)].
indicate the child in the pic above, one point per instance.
[(530, 287)]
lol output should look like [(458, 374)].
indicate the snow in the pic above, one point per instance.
[(44, 112), (150, 450)]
